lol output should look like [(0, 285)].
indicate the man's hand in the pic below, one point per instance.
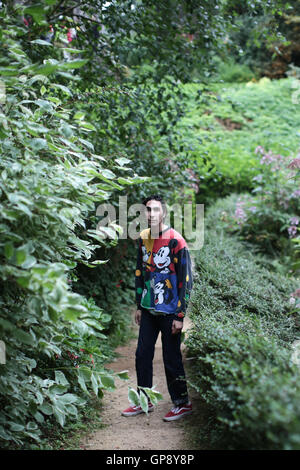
[(138, 315), (176, 327)]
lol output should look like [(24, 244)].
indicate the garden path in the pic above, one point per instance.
[(143, 432)]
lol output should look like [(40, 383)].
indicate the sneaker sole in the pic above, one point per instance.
[(135, 413), (174, 418)]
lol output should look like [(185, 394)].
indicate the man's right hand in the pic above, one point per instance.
[(138, 315)]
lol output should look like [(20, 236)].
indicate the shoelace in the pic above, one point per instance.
[(176, 409)]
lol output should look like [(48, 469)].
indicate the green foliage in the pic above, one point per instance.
[(51, 179), (80, 124), (270, 216), (142, 397), (241, 341), (266, 41), (226, 123), (232, 72)]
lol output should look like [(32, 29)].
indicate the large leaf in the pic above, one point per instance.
[(133, 397)]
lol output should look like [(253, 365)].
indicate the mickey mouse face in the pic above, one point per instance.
[(162, 258), (158, 288)]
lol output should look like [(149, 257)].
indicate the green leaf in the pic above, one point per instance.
[(133, 397), (68, 398), (38, 144), (21, 255), (144, 402), (74, 64), (108, 174), (153, 394), (123, 375), (59, 415), (46, 408), (24, 337), (29, 262), (107, 381), (60, 378), (122, 161), (95, 385), (8, 250), (87, 125), (16, 427), (82, 384), (37, 12), (57, 389), (41, 42), (62, 87)]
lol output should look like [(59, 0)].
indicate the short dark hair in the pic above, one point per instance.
[(156, 197)]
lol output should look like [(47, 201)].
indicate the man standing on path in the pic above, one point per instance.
[(163, 281)]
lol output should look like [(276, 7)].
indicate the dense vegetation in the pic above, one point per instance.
[(96, 103), (245, 305), (244, 327)]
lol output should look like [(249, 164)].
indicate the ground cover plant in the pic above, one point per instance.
[(244, 327), (227, 122)]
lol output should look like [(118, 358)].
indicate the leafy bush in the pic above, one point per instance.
[(269, 218), (243, 330), (224, 125), (232, 72), (51, 179)]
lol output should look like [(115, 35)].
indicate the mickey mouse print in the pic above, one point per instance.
[(163, 276)]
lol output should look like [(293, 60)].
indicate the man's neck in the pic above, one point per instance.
[(159, 229)]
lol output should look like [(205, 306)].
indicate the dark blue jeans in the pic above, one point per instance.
[(150, 327)]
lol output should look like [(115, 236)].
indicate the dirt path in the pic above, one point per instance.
[(142, 431)]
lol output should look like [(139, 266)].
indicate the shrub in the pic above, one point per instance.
[(269, 218), (224, 125), (229, 71), (241, 340)]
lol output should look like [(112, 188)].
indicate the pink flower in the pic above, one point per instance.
[(294, 221), (260, 149), (69, 36), (296, 293), (267, 159), (240, 214), (292, 231), (295, 164)]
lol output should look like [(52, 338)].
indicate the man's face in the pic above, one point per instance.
[(155, 213)]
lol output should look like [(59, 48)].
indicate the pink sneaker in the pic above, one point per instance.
[(134, 410), (178, 412)]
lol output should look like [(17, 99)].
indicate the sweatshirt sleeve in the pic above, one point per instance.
[(139, 279), (184, 281)]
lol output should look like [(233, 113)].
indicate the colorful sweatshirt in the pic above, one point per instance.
[(163, 277)]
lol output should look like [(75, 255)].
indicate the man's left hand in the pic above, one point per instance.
[(176, 327)]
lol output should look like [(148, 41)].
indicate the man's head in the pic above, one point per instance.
[(156, 209)]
